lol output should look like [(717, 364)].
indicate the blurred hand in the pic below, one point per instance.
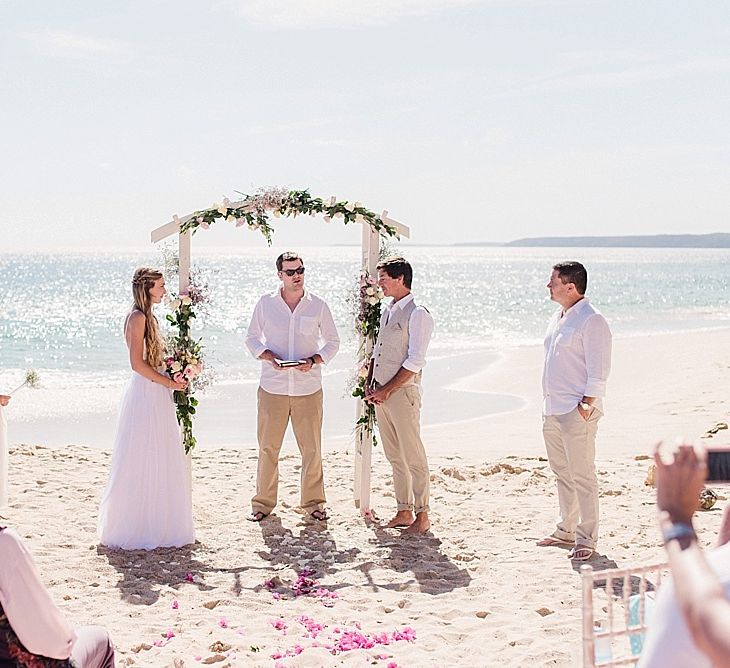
[(679, 483), (178, 385), (306, 366), (4, 399)]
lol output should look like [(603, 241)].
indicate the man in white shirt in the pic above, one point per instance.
[(292, 332), (395, 389), (37, 627), (577, 364)]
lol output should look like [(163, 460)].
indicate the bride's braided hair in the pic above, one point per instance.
[(143, 280)]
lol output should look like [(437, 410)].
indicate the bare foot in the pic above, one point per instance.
[(403, 518), (420, 525)]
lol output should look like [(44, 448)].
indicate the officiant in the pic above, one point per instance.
[(293, 334)]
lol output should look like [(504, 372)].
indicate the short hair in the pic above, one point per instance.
[(573, 272), (287, 256), (396, 267)]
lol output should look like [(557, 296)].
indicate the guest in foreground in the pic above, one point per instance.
[(690, 623), (577, 364), (293, 334), (33, 632), (398, 357), (148, 500), (4, 454)]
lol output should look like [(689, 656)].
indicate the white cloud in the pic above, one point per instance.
[(66, 44), (339, 13)]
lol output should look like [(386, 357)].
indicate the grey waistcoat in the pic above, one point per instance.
[(391, 348)]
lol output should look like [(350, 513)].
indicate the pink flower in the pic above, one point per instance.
[(392, 664), (278, 624), (198, 657), (178, 377), (205, 225), (223, 623), (189, 577), (175, 605), (170, 634)]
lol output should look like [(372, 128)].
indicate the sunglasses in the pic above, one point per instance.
[(291, 272)]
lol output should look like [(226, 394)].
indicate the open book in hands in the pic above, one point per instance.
[(289, 362)]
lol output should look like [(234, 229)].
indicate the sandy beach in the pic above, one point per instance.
[(289, 592)]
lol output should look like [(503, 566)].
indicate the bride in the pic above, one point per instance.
[(148, 500)]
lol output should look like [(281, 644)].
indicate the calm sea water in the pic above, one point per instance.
[(62, 313)]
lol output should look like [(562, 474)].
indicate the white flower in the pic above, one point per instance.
[(230, 218), (380, 293), (186, 301), (327, 219), (276, 213), (240, 222), (350, 206), (359, 218), (339, 215), (222, 209), (358, 205), (175, 304), (333, 201), (373, 300), (176, 366), (370, 291)]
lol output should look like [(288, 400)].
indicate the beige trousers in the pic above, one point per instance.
[(570, 442), (399, 424), (274, 412)]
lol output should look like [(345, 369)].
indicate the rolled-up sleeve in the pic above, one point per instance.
[(597, 350), (328, 332), (32, 614), (420, 329), (255, 337)]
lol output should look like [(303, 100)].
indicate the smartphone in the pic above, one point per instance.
[(718, 465)]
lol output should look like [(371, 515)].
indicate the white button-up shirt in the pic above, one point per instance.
[(292, 335), (420, 329), (36, 620), (577, 358)]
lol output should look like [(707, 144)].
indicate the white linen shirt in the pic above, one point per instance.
[(36, 620), (577, 358), (420, 328), (291, 335)]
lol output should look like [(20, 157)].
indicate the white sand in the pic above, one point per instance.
[(476, 592)]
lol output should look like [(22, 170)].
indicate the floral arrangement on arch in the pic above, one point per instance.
[(253, 211), (367, 324), (184, 358)]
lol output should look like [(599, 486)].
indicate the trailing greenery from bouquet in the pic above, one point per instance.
[(367, 325), (253, 211), (184, 358)]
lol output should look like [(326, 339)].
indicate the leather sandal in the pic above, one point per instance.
[(257, 516)]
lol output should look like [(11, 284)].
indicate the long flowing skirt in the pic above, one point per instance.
[(148, 499)]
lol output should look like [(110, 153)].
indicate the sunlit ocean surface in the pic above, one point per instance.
[(62, 313)]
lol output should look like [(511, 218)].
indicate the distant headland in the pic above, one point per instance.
[(717, 240)]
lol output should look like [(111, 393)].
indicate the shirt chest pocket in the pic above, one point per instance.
[(565, 336), (307, 325)]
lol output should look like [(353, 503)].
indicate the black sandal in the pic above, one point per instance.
[(257, 516), (319, 515)]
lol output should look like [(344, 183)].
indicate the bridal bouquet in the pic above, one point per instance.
[(32, 380), (184, 360)]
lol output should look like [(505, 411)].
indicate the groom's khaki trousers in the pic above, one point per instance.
[(399, 424), (274, 412), (570, 442)]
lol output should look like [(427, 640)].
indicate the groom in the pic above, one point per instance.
[(292, 332), (395, 390)]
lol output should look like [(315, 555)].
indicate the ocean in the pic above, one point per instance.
[(62, 313)]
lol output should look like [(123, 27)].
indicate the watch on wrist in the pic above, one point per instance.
[(585, 406), (678, 531)]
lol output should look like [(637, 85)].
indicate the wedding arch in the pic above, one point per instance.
[(253, 211)]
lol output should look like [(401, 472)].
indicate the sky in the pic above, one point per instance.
[(467, 120)]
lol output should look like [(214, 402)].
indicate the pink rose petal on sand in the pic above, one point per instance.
[(198, 658), (223, 623), (189, 577), (170, 634), (175, 605), (392, 664)]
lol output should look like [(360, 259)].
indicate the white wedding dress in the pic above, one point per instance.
[(148, 499)]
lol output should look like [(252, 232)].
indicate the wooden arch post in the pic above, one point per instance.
[(369, 260)]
